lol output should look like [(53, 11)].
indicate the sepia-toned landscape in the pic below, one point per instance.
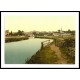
[(40, 39)]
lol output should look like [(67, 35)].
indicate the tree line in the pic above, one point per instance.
[(19, 33)]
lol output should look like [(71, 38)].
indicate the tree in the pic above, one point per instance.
[(34, 33), (11, 33), (59, 31), (72, 32), (20, 32), (69, 31)]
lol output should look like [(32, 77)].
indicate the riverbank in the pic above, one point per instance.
[(61, 51), (44, 37), (44, 56), (15, 38)]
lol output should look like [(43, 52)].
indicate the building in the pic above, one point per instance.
[(56, 34), (29, 34), (61, 33)]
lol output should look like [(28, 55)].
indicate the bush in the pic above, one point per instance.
[(68, 48)]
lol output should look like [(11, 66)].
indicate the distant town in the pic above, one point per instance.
[(34, 33)]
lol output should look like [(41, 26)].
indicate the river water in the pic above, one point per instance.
[(19, 52)]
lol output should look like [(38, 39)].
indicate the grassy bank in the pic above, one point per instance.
[(15, 38), (53, 37), (68, 54), (44, 56), (47, 55), (44, 37)]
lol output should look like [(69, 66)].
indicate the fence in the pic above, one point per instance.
[(45, 43)]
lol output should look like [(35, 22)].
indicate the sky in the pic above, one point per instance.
[(39, 23)]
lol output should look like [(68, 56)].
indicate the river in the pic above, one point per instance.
[(19, 52)]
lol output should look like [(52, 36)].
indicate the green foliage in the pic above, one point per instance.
[(69, 42), (69, 54), (13, 38), (43, 37), (20, 32), (67, 47), (44, 56), (11, 33)]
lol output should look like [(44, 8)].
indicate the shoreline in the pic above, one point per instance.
[(41, 57), (42, 37), (59, 55), (14, 39)]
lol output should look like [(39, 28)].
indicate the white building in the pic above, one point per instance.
[(56, 34), (61, 33)]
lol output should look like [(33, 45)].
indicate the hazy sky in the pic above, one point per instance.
[(39, 23)]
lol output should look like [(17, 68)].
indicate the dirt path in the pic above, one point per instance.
[(59, 55)]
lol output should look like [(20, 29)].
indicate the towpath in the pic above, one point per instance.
[(60, 60)]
